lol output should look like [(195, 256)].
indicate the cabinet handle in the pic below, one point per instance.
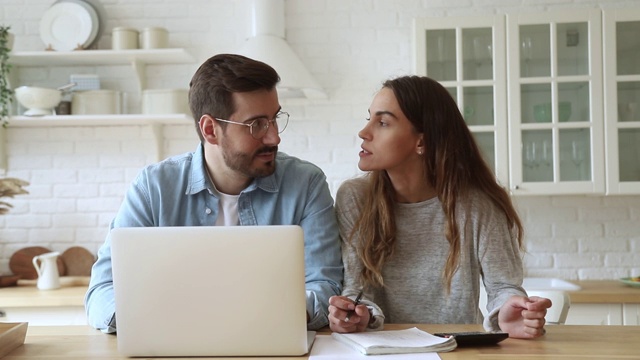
[(2, 314)]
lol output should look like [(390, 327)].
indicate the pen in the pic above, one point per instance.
[(356, 303)]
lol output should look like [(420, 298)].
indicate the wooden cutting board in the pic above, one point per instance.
[(78, 261), (12, 335), (21, 262)]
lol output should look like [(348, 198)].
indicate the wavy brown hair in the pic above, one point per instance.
[(453, 166)]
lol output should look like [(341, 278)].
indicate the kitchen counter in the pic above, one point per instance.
[(74, 288), (567, 341), (26, 294), (63, 306), (604, 292)]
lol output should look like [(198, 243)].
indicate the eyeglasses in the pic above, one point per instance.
[(259, 127)]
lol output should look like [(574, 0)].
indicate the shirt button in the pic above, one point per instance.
[(208, 211)]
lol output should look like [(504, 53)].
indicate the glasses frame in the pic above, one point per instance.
[(266, 129)]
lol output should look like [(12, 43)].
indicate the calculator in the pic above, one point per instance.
[(475, 338)]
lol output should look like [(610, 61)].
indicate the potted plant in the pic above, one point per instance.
[(6, 93), (9, 187)]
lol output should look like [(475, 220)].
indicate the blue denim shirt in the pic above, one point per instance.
[(177, 192)]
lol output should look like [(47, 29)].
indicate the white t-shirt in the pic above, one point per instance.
[(228, 210)]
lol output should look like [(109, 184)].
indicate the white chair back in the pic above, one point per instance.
[(560, 304)]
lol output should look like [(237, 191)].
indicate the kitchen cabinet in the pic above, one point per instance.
[(604, 314), (604, 302), (622, 99), (595, 314), (556, 128), (467, 56), (564, 116)]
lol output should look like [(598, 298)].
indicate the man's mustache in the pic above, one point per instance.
[(267, 149)]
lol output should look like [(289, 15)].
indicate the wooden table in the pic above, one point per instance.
[(560, 342)]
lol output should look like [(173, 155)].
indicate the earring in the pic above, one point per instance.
[(419, 152)]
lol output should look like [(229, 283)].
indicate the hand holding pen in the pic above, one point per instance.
[(347, 315), (355, 303)]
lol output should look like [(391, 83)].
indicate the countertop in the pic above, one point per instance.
[(604, 292), (561, 341), (26, 294), (74, 288)]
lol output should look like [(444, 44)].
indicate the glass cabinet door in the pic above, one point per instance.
[(466, 55), (622, 99), (555, 103)]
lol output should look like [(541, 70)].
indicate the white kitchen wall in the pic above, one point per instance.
[(79, 174)]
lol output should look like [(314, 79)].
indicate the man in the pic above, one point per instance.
[(236, 176)]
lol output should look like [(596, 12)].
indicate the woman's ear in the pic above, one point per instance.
[(207, 125), (420, 148)]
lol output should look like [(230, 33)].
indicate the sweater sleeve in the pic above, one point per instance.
[(500, 260), (348, 198)]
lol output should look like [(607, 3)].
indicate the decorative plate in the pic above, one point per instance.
[(69, 25), (631, 281)]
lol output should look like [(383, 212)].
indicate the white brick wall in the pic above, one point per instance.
[(78, 175)]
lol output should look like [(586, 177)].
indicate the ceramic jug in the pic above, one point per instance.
[(47, 269)]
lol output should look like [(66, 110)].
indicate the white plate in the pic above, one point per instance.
[(68, 25)]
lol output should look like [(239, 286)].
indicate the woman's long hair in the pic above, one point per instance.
[(453, 165)]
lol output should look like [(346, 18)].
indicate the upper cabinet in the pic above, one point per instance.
[(556, 141), (622, 99), (467, 56), (547, 95)]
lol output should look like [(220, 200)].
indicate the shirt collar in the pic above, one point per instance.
[(198, 178)]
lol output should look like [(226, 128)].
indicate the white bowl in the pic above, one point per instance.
[(39, 101)]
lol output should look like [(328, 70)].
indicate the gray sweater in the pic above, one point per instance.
[(414, 291)]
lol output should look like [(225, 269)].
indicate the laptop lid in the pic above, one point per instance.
[(210, 291)]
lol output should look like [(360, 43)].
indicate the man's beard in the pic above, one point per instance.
[(242, 162)]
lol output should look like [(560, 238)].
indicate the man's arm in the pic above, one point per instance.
[(323, 259), (100, 300)]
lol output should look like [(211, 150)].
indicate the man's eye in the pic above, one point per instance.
[(261, 123), (367, 118)]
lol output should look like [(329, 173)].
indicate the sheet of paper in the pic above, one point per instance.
[(326, 348)]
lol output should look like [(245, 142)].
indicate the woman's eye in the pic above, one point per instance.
[(383, 123)]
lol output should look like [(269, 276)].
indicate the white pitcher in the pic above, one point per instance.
[(48, 276)]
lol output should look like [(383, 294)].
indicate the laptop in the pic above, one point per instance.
[(210, 291)]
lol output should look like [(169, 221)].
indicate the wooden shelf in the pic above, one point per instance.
[(136, 58), (100, 120), (100, 57)]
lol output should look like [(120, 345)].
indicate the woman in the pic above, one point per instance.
[(427, 221)]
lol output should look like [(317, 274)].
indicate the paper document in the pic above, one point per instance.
[(327, 348), (405, 341)]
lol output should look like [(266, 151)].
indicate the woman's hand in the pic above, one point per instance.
[(341, 309), (523, 317)]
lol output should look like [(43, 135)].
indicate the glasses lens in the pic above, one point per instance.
[(282, 120), (259, 128)]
